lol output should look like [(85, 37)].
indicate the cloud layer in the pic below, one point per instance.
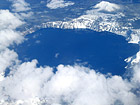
[(106, 6), (20, 5), (8, 36), (70, 85), (54, 4)]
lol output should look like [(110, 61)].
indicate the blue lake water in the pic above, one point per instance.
[(102, 51)]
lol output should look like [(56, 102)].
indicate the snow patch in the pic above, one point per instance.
[(107, 6)]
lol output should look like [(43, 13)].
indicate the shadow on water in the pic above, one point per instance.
[(102, 51)]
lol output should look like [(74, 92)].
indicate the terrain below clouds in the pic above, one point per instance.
[(26, 82)]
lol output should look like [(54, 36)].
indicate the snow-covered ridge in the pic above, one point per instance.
[(99, 21), (106, 6)]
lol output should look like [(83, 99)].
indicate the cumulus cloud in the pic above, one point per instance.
[(136, 73), (54, 4), (21, 9), (107, 6), (20, 5), (8, 23), (8, 35), (9, 20), (70, 85), (7, 58), (26, 82)]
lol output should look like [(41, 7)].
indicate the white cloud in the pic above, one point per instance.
[(8, 23), (106, 6), (20, 5), (54, 4), (136, 73), (72, 85), (8, 20), (26, 82), (8, 37), (21, 9), (26, 15), (7, 58)]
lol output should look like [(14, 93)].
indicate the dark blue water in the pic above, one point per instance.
[(102, 51), (5, 4)]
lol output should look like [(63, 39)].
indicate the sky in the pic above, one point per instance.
[(30, 84)]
